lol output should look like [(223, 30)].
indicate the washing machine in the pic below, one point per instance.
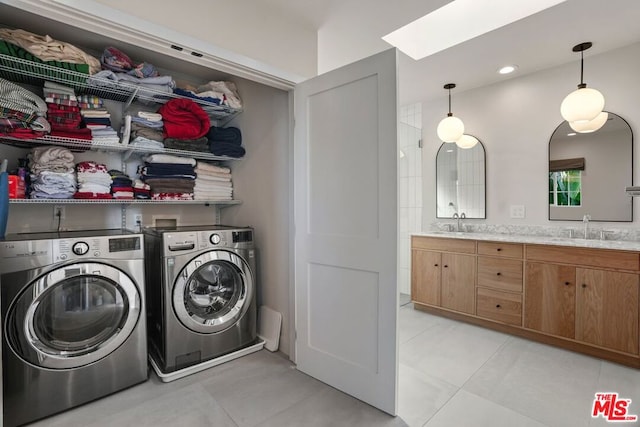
[(73, 328), (201, 294)]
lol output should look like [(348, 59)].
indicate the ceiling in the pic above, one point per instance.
[(535, 43)]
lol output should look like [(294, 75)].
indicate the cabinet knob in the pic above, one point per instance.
[(435, 265), (567, 283), (498, 274), (445, 266), (497, 305), (499, 249), (584, 285)]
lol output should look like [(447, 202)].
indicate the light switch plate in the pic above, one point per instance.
[(517, 211)]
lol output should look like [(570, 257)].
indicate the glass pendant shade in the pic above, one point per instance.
[(582, 105), (450, 129), (467, 141), (591, 125)]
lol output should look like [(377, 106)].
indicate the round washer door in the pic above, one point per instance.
[(74, 315), (213, 291)]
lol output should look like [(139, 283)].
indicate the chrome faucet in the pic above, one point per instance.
[(458, 218), (585, 219)]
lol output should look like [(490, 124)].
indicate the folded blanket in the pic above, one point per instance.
[(46, 48), (228, 134), (172, 196), (169, 159), (200, 145), (184, 119), (166, 169), (228, 89), (89, 195), (203, 167), (226, 149), (46, 155)]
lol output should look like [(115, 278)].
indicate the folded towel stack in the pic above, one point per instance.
[(121, 185), (225, 142), (141, 190), (169, 174), (98, 119), (52, 173), (63, 112), (94, 181), (143, 129), (212, 183), (21, 112)]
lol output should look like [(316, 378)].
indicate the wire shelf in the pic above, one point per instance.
[(86, 145), (220, 203), (33, 73)]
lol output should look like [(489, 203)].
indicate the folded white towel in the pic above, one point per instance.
[(168, 158), (202, 166)]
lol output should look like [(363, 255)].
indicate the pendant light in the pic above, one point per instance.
[(467, 141), (451, 128), (584, 104), (591, 125)]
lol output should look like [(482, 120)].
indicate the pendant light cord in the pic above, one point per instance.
[(582, 69)]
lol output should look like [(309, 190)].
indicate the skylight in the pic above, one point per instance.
[(459, 21)]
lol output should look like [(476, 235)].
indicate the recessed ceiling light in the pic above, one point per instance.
[(508, 69), (459, 21)]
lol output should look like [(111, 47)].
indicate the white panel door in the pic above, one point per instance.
[(345, 169)]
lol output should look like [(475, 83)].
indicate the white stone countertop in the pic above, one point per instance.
[(538, 240)]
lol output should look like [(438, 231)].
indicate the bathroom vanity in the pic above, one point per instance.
[(578, 294)]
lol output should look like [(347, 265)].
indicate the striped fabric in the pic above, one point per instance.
[(17, 98)]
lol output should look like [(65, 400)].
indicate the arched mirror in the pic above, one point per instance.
[(588, 172), (460, 181)]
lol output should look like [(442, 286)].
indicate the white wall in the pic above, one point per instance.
[(515, 119), (242, 27)]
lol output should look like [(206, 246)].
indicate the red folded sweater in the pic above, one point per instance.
[(184, 119)]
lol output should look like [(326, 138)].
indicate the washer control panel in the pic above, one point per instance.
[(106, 247)]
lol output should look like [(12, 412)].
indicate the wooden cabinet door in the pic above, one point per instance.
[(458, 282), (607, 309), (550, 299), (425, 277)]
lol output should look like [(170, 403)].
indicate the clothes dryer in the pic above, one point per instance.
[(73, 328), (201, 287)]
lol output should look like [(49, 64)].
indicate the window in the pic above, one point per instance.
[(565, 188)]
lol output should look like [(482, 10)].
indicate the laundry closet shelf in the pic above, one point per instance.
[(219, 203), (86, 145), (33, 73)]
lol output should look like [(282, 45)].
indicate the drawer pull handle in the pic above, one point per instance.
[(567, 283), (497, 305), (498, 274), (499, 249)]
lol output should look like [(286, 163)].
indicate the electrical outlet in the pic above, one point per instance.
[(137, 219), (517, 211), (58, 212)]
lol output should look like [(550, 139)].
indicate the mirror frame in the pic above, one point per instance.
[(631, 181), (484, 158)]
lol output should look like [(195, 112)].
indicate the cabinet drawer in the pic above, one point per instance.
[(501, 306), (444, 244), (606, 258), (501, 274), (506, 250)]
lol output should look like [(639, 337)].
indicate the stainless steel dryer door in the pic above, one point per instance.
[(213, 291), (74, 315)]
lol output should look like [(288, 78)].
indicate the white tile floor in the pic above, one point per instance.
[(455, 374), (451, 374)]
